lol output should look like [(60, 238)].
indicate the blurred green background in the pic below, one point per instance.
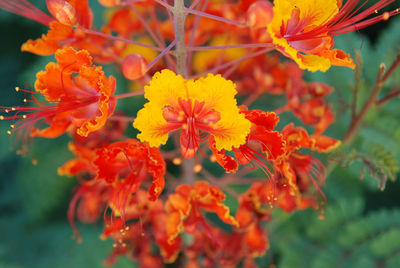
[(361, 226)]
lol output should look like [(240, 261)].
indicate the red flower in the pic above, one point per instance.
[(125, 165)]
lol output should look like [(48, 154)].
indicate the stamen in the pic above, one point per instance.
[(109, 36), (213, 17), (193, 35), (27, 10), (177, 161), (225, 65)]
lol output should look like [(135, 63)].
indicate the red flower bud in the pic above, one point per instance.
[(260, 14), (63, 11), (134, 66)]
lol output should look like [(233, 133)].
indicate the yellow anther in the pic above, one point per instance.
[(8, 132), (376, 11), (1, 117), (177, 161), (7, 111), (103, 237), (197, 168), (213, 158), (127, 228), (12, 126), (386, 16), (123, 245), (17, 89), (24, 116), (13, 109), (25, 100), (114, 245), (34, 162)]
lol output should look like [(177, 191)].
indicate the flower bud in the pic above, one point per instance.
[(134, 66), (260, 14), (63, 11)]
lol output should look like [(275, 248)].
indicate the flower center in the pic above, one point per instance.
[(191, 116)]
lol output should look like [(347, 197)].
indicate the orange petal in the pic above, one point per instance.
[(257, 241), (57, 127), (267, 120), (338, 57), (324, 144), (226, 161), (49, 43), (71, 60)]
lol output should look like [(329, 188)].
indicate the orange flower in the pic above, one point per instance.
[(183, 208), (296, 171), (303, 30), (133, 238), (233, 249), (80, 92), (66, 13), (66, 28)]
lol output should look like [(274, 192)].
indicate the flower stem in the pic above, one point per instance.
[(109, 36), (180, 50), (371, 102), (213, 17), (181, 54)]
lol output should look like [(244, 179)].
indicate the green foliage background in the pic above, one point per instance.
[(361, 226)]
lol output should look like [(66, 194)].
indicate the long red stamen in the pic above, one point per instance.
[(30, 115), (27, 10), (347, 20)]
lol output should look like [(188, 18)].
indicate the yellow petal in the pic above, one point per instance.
[(150, 122), (165, 88)]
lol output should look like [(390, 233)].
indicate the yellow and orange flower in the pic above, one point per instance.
[(296, 31), (303, 30), (206, 105)]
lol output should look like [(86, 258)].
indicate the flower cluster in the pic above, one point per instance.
[(200, 68)]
